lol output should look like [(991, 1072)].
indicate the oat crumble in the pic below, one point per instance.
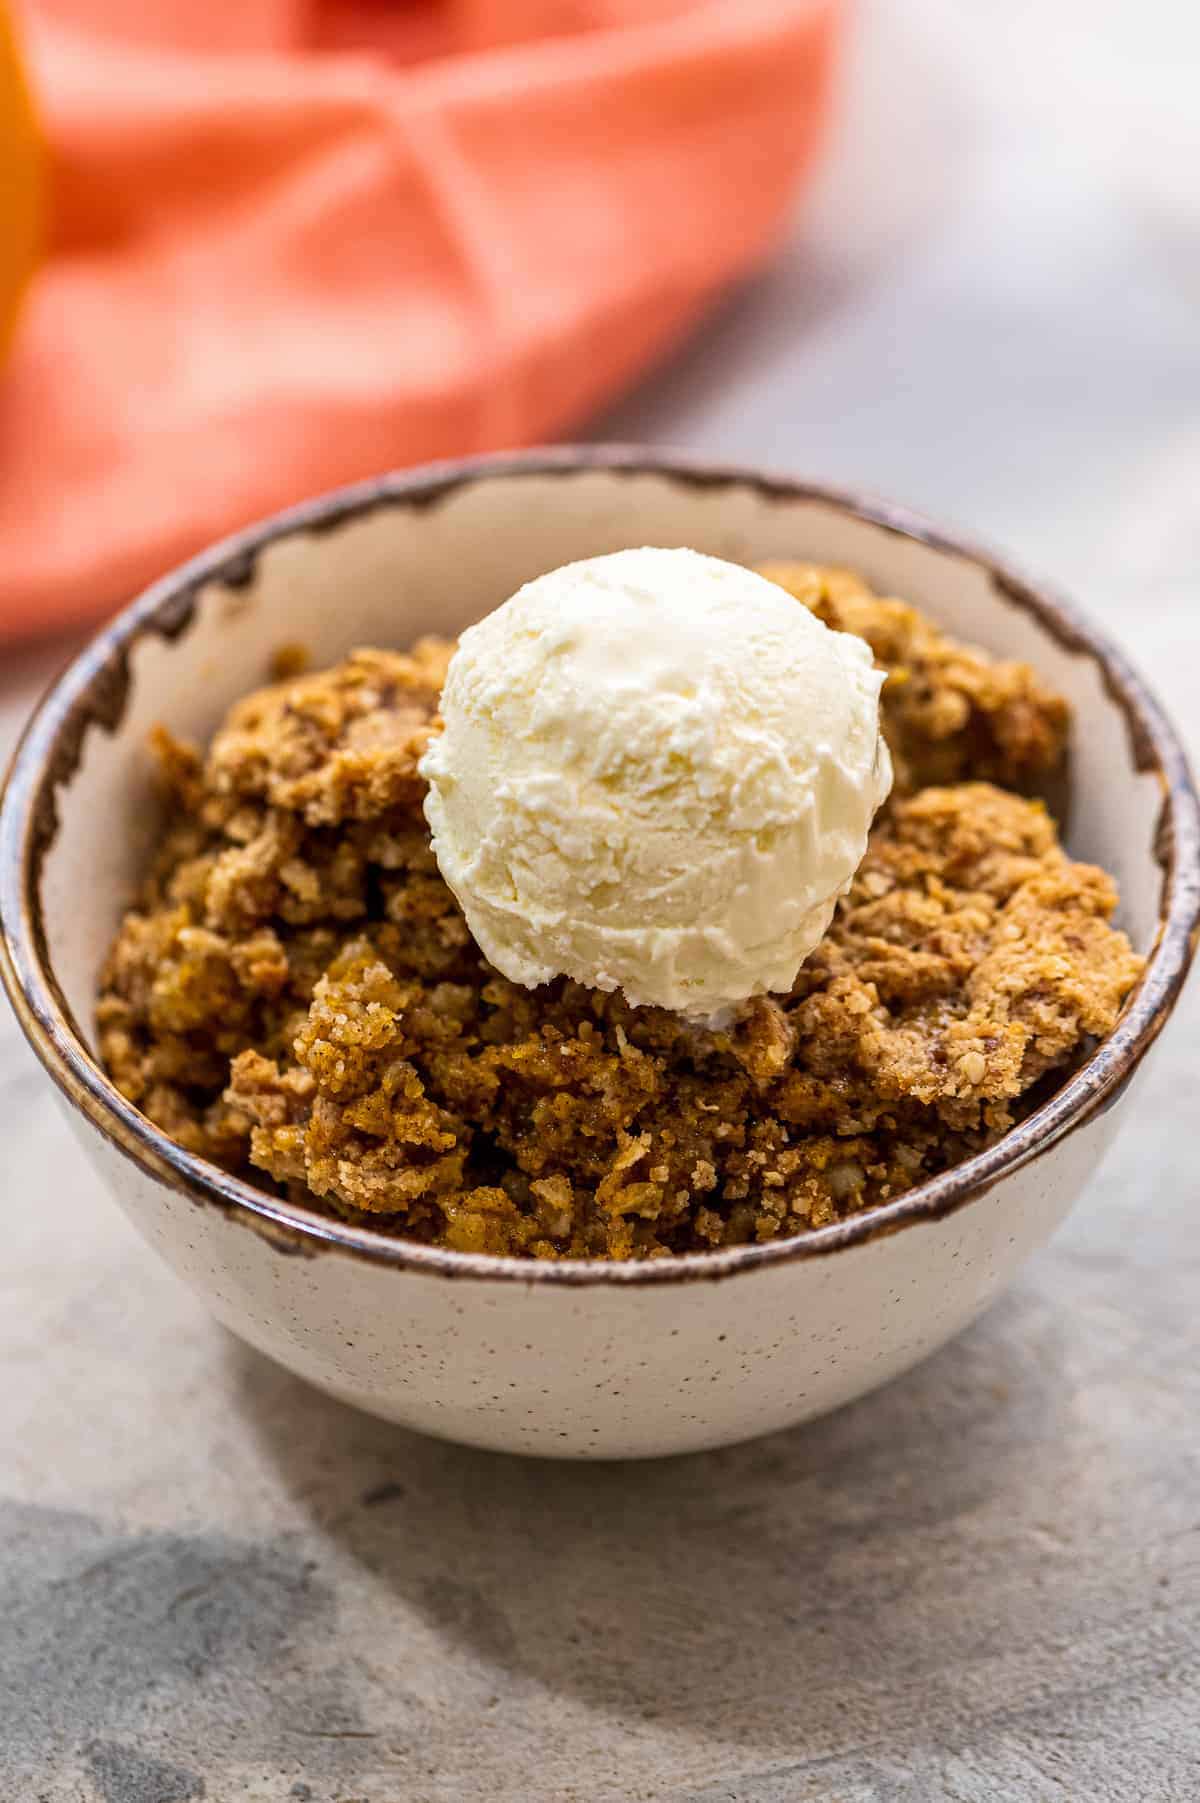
[(296, 995)]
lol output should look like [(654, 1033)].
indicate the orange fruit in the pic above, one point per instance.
[(20, 180)]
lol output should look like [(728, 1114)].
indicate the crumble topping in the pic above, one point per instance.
[(296, 995)]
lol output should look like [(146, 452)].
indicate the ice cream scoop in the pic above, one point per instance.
[(657, 773)]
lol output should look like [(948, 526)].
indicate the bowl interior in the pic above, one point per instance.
[(406, 564)]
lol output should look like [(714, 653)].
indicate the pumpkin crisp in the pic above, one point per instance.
[(297, 998)]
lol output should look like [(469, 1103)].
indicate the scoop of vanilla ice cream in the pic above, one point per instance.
[(658, 772)]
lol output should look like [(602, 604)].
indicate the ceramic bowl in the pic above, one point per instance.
[(584, 1359)]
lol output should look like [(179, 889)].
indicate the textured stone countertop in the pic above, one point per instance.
[(982, 1582)]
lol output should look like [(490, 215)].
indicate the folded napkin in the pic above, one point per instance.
[(295, 242)]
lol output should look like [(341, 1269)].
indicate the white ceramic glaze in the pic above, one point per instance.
[(585, 1360)]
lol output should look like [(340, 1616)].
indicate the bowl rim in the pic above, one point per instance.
[(92, 690)]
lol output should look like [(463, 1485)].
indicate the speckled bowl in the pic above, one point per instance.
[(587, 1359)]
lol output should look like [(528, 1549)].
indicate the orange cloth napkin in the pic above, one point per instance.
[(296, 242)]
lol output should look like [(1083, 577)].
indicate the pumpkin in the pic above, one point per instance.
[(20, 180)]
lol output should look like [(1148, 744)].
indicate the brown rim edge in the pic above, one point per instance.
[(92, 692)]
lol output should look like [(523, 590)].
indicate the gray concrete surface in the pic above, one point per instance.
[(981, 1583)]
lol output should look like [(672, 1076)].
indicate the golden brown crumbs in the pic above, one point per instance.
[(297, 997), (290, 660), (950, 712)]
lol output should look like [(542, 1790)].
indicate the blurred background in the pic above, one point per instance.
[(948, 251)]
